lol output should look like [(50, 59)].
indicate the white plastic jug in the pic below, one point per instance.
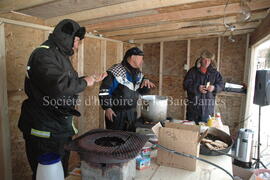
[(50, 167)]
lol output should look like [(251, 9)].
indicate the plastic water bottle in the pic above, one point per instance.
[(219, 123), (50, 167)]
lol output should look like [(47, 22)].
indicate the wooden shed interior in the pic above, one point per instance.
[(172, 34)]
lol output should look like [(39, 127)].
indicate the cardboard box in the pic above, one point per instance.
[(243, 173), (181, 138)]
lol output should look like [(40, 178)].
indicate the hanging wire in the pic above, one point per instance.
[(224, 11), (191, 156)]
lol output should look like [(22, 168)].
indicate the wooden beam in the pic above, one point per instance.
[(26, 24), (14, 5), (188, 54), (251, 84), (218, 53), (101, 38), (262, 31), (120, 52), (187, 68), (161, 68), (48, 28), (245, 105), (103, 57), (81, 106), (117, 9), (186, 31), (183, 15), (179, 25), (5, 156), (192, 36)]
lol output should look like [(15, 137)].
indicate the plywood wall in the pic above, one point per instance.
[(232, 61), (97, 56), (151, 64), (232, 67), (127, 46), (111, 54), (199, 45), (92, 65), (20, 42), (175, 57)]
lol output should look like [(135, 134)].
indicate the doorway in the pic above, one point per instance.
[(260, 60)]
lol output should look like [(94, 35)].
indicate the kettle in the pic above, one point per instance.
[(243, 151)]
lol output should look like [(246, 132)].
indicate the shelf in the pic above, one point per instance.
[(233, 94)]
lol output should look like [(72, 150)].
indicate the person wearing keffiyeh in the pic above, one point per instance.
[(120, 91)]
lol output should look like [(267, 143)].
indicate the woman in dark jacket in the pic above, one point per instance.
[(202, 82)]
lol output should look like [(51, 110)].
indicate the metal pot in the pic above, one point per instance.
[(219, 135), (154, 108)]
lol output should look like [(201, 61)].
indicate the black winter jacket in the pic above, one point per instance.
[(120, 90), (201, 105), (52, 86)]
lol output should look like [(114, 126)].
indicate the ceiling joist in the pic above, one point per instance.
[(14, 5), (186, 31), (193, 36), (184, 15), (178, 25), (117, 9)]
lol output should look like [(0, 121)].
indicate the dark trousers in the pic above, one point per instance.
[(36, 146), (125, 120)]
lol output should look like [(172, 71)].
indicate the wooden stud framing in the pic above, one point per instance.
[(184, 15), (5, 155), (103, 56), (161, 68), (251, 84), (218, 53), (187, 31), (47, 28), (119, 51), (141, 47), (13, 5), (188, 53), (245, 109), (117, 9), (101, 38), (193, 36), (178, 25), (247, 58), (188, 67), (80, 70), (262, 31), (26, 24)]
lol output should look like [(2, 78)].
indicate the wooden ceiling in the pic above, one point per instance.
[(144, 21)]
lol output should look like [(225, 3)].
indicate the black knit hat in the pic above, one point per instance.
[(134, 51)]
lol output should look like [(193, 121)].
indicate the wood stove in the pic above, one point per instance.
[(108, 154)]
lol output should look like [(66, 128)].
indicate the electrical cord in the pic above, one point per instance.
[(190, 156), (224, 11)]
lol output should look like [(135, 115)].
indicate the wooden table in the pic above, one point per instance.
[(204, 171)]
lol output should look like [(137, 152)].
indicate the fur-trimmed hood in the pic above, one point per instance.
[(64, 33)]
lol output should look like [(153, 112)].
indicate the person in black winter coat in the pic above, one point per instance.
[(120, 91), (51, 86), (202, 83)]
